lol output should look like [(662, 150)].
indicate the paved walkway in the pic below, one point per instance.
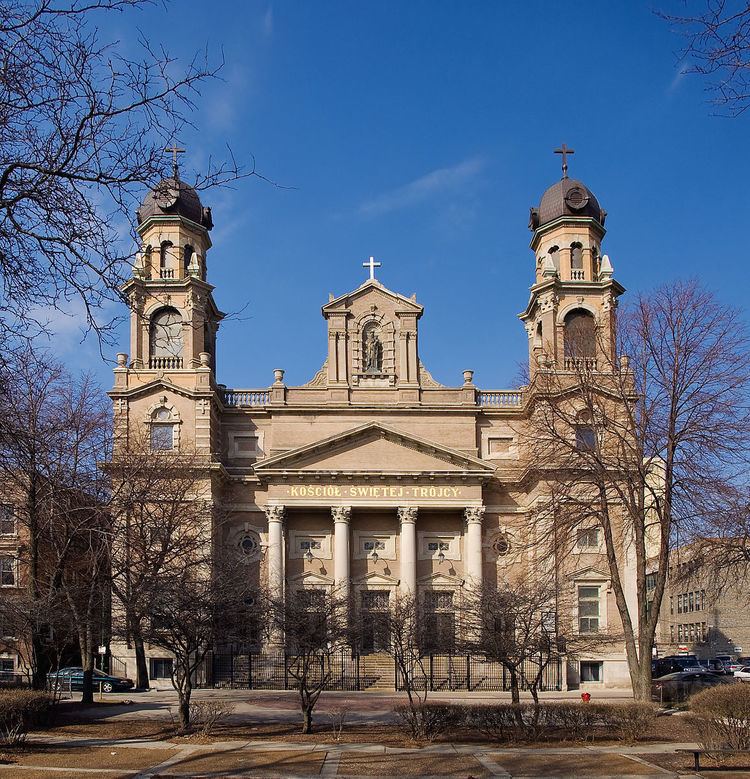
[(144, 759), (282, 706)]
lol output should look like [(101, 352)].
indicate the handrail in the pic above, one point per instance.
[(500, 398)]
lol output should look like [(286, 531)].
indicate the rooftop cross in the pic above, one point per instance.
[(174, 150), (371, 264), (565, 151)]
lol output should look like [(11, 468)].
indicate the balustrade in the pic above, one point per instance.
[(577, 275), (166, 273), (580, 363), (251, 397), (500, 398), (165, 363)]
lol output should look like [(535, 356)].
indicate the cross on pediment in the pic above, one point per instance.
[(371, 264)]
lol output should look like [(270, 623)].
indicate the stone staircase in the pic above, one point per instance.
[(376, 672)]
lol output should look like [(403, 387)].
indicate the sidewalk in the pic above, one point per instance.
[(119, 758)]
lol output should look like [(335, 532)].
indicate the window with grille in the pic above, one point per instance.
[(161, 668), (591, 671), (588, 609), (588, 538), (7, 572), (438, 546), (308, 544), (373, 545), (376, 600), (7, 520), (435, 600)]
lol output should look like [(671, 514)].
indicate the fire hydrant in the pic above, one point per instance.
[(585, 697)]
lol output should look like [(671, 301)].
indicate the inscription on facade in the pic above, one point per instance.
[(368, 491)]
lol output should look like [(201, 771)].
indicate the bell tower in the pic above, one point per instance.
[(174, 319), (570, 315)]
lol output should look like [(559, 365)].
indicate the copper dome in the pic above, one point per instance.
[(174, 197), (567, 197)]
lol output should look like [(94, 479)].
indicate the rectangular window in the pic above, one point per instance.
[(585, 438), (591, 672), (671, 634), (7, 521), (7, 572), (691, 602), (679, 604), (375, 600), (650, 581), (307, 544), (7, 666), (704, 632), (588, 538), (671, 604), (161, 668), (373, 545), (703, 599), (679, 633), (588, 609), (162, 437), (438, 546)]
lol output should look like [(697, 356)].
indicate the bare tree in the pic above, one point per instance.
[(55, 429), (717, 46), (82, 133), (160, 504), (627, 446), (315, 628)]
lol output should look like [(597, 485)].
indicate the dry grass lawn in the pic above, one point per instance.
[(78, 756), (260, 763), (575, 766), (411, 765)]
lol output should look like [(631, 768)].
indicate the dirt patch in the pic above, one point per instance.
[(80, 756), (576, 766), (682, 762), (281, 763), (411, 765)]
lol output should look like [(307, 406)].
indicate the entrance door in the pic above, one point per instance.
[(374, 616)]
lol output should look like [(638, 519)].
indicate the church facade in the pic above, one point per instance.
[(372, 478)]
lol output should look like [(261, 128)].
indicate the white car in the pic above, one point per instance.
[(743, 673)]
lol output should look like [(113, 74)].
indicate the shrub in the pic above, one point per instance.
[(499, 722), (206, 715), (632, 720), (21, 710), (724, 713), (427, 721)]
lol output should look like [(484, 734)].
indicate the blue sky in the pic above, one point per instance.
[(421, 132)]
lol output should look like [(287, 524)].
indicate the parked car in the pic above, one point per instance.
[(725, 664), (678, 687), (743, 674), (72, 679), (674, 664)]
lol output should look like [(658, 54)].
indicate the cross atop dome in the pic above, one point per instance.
[(564, 151), (174, 151)]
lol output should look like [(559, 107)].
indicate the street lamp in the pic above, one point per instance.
[(309, 556), (374, 556), (441, 557)]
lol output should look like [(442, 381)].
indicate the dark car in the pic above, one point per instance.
[(72, 679), (678, 687), (672, 664)]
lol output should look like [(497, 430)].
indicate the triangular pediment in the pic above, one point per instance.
[(590, 574), (377, 579), (371, 287), (374, 448), (159, 383)]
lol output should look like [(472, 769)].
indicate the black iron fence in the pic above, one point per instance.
[(472, 672), (276, 670)]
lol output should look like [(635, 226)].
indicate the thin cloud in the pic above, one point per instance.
[(683, 70), (437, 182), (268, 22)]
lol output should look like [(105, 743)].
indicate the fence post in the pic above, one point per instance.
[(357, 683), (286, 673), (432, 683), (468, 672), (249, 669)]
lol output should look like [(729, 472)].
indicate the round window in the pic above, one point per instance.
[(163, 414), (249, 544), (576, 198), (501, 545)]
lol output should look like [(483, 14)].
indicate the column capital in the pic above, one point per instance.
[(407, 514), (341, 513), (275, 513), (474, 514)]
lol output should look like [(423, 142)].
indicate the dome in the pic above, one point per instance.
[(567, 197), (174, 197)]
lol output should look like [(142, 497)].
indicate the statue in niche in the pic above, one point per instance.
[(373, 352)]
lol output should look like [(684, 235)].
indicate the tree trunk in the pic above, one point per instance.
[(183, 709), (87, 697), (307, 720), (640, 676), (141, 674)]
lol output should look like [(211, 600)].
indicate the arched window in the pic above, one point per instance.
[(580, 340), (554, 253), (187, 257), (165, 272), (576, 261), (585, 433), (162, 430), (166, 339), (538, 340)]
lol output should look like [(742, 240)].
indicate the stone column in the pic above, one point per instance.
[(407, 516), (341, 553), (473, 517), (275, 550)]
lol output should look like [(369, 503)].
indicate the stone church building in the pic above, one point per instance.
[(372, 477)]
